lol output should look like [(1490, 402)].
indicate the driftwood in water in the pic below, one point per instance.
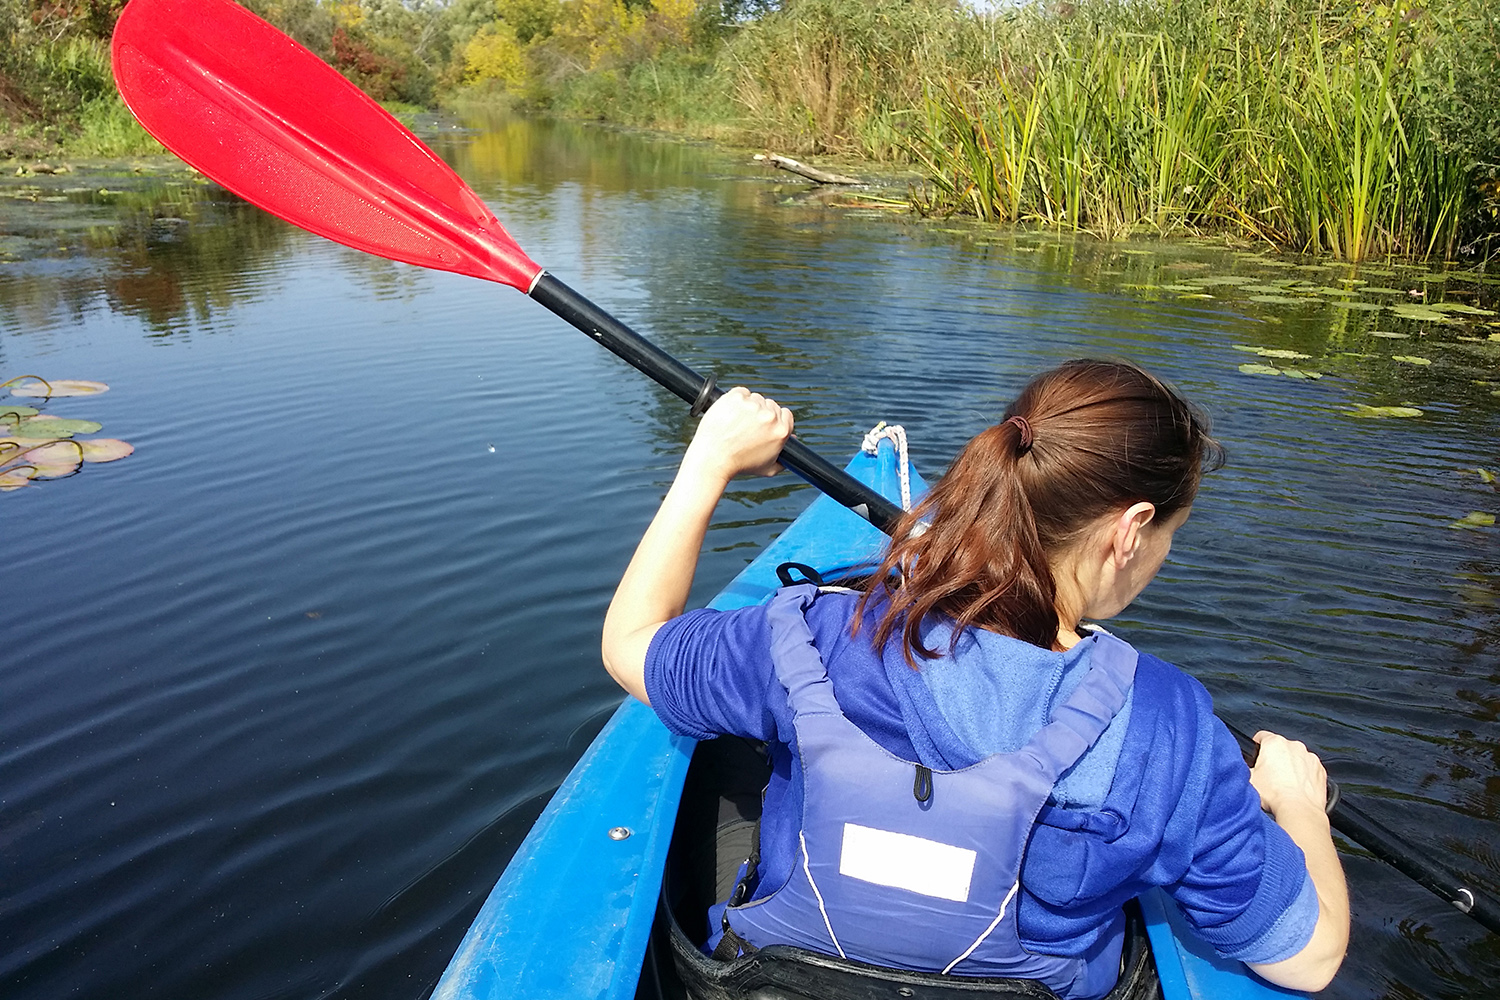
[(811, 173)]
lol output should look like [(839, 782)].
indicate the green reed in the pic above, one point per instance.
[(1309, 140)]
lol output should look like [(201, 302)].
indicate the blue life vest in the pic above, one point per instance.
[(910, 868)]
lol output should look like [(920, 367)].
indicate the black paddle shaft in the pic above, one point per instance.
[(693, 388), (1354, 823)]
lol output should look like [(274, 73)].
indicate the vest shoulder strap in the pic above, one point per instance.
[(799, 665)]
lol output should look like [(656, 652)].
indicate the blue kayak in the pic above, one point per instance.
[(575, 911)]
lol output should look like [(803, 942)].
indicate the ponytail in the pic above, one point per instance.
[(1080, 441)]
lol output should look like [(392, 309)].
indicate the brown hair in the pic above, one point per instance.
[(1082, 440)]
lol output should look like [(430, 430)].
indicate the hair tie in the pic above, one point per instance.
[(1025, 428)]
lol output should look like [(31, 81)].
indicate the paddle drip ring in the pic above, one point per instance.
[(705, 398)]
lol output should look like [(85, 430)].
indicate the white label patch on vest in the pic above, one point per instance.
[(902, 861)]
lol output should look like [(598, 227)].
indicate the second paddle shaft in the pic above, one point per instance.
[(1353, 822), (687, 384)]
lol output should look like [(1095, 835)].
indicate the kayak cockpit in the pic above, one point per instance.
[(714, 834)]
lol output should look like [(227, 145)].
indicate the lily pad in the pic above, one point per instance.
[(1209, 280), (1195, 295), (52, 460), (1461, 307), (13, 414), (47, 426), (1475, 519), (1411, 359), (57, 388), (1380, 412), (1390, 334), (14, 479), (1301, 373), (1419, 313), (1250, 368), (105, 449), (1279, 352), (11, 444), (1281, 300), (1485, 475)]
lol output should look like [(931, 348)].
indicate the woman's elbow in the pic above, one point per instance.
[(1306, 979), (1312, 968), (624, 658)]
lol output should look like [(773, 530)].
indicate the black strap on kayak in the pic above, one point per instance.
[(731, 946), (809, 575)]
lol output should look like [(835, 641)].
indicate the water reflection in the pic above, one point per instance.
[(331, 637), (157, 244)]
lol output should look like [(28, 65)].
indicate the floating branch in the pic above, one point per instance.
[(811, 173)]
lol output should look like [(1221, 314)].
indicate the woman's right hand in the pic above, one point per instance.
[(743, 432), (1287, 775), (1293, 788)]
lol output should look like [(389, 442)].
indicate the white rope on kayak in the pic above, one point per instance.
[(896, 435)]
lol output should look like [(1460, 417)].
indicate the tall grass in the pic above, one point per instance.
[(848, 76), (1310, 140)]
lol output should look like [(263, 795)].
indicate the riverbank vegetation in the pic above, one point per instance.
[(1351, 128), (1343, 126), (56, 91)]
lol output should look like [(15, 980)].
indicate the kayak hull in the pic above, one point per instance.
[(572, 914)]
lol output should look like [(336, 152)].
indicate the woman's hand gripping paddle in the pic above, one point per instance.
[(252, 109), (263, 116)]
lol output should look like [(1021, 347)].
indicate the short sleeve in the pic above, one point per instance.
[(1247, 891), (708, 674)]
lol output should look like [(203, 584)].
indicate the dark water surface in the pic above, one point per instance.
[(281, 693)]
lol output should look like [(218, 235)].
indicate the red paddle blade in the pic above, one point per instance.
[(263, 116)]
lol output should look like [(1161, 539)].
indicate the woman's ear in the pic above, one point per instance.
[(1127, 535)]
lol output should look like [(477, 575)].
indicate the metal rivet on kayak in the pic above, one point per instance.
[(619, 832), (906, 991)]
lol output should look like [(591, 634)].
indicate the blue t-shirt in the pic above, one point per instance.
[(1162, 798)]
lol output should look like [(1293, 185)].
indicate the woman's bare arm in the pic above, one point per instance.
[(743, 432), (1293, 787)]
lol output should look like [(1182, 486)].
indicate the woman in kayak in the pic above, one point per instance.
[(966, 778)]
